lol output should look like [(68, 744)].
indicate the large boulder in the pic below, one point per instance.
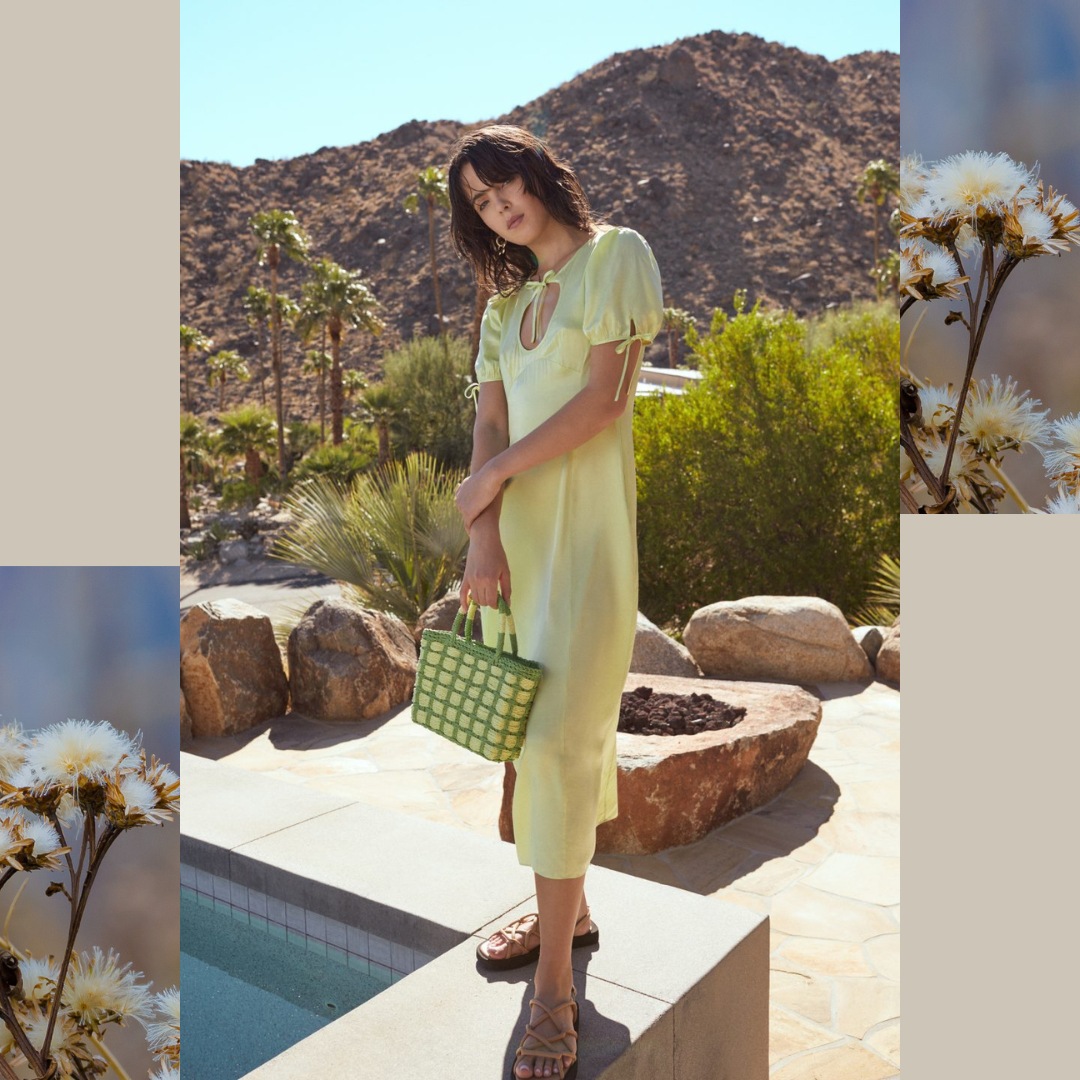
[(888, 657), (796, 638), (655, 653), (441, 614), (349, 663), (230, 668), (674, 789)]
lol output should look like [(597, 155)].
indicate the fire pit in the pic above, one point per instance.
[(673, 789)]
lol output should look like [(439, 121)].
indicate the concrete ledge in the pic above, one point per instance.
[(676, 990)]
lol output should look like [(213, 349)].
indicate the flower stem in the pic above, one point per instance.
[(107, 1055), (77, 910), (1008, 485)]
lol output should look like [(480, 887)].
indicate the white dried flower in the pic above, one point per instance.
[(1065, 502), (163, 1033), (997, 418), (1063, 462), (975, 182), (938, 405), (39, 975), (98, 991), (65, 754), (13, 743)]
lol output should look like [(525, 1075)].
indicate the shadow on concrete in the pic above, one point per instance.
[(292, 732)]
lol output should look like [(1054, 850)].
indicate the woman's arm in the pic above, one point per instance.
[(486, 568), (585, 415)]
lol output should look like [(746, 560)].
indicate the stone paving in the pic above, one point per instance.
[(822, 859)]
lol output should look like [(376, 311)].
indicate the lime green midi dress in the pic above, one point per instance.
[(568, 527)]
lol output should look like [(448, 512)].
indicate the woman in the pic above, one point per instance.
[(551, 504)]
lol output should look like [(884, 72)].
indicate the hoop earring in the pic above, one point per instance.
[(500, 245)]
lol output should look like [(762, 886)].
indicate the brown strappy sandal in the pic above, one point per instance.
[(524, 942), (556, 1047)]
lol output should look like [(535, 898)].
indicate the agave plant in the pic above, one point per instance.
[(393, 537), (882, 607)]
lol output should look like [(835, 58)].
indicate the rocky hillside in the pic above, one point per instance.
[(736, 158)]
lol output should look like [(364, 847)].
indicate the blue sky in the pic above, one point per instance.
[(260, 79)]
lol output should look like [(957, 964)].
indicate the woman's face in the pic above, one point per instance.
[(507, 209)]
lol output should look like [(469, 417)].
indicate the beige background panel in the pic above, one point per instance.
[(88, 429), (990, 704)]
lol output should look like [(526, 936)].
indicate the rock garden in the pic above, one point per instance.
[(712, 728)]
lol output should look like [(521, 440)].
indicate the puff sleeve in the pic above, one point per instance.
[(622, 284), (487, 360)]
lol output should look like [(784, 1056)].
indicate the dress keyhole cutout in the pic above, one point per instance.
[(549, 296)]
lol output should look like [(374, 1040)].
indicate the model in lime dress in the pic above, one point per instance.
[(550, 506)]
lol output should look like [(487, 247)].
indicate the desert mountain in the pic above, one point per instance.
[(737, 159)]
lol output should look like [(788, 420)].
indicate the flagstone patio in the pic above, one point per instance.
[(822, 859)]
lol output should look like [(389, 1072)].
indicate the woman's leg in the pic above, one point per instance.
[(561, 902)]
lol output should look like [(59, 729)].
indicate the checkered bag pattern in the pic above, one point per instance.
[(477, 696)]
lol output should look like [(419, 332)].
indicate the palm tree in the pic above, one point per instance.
[(319, 363), (879, 180), (278, 233), (337, 299), (394, 536), (248, 432), (352, 381), (223, 364), (380, 405), (676, 323), (192, 456), (257, 311), (191, 340), (431, 189)]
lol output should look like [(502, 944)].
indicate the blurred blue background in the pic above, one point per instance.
[(101, 643), (995, 75)]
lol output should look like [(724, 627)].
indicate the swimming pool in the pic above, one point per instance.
[(252, 988)]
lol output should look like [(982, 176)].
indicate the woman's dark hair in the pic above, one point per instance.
[(499, 153)]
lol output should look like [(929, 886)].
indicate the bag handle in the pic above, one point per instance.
[(506, 624)]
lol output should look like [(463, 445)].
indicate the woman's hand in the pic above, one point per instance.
[(486, 570), (477, 492)]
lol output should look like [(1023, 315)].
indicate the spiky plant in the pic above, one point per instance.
[(394, 537), (882, 606)]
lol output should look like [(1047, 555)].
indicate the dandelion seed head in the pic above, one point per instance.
[(140, 797), (938, 405), (1065, 502), (165, 1071), (997, 418), (975, 181), (163, 1033), (45, 837), (10, 840), (912, 180), (943, 266), (75, 750), (1063, 462), (12, 750), (39, 975), (98, 990)]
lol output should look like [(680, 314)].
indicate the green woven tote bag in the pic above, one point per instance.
[(472, 694)]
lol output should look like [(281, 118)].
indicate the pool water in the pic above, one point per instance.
[(248, 995)]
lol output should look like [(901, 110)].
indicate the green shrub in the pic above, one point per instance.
[(236, 494), (431, 412), (337, 463), (394, 535), (776, 474), (300, 439)]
